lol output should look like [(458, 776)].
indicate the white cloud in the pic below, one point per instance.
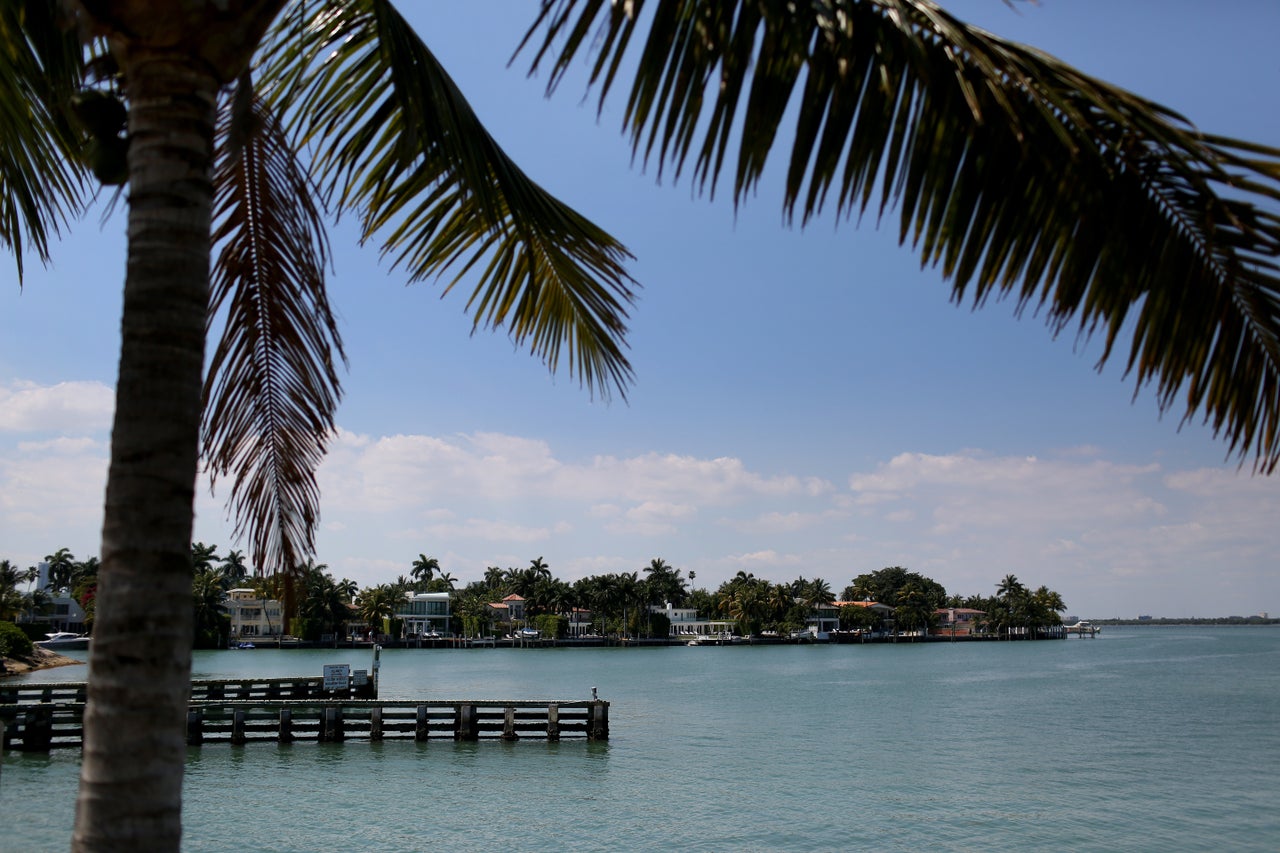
[(72, 408), (390, 472), (51, 496), (489, 530), (784, 522)]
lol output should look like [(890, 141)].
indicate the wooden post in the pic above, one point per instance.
[(331, 725), (421, 730), (285, 734), (237, 726), (465, 723), (37, 730), (598, 720), (509, 724), (375, 723), (553, 721), (195, 727)]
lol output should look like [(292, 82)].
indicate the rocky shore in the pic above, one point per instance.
[(38, 659)]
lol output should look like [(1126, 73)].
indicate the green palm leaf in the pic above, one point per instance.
[(271, 389), (1012, 171), (397, 142), (41, 181)]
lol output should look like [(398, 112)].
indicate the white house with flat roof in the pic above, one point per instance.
[(685, 624), (425, 613)]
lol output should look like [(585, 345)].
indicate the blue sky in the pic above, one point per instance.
[(806, 402)]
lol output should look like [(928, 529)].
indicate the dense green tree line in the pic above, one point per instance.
[(619, 603)]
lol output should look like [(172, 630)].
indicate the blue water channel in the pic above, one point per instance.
[(1150, 738)]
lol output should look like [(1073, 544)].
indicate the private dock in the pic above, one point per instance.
[(38, 717)]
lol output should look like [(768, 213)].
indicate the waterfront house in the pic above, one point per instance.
[(957, 620), (507, 612), (823, 621), (62, 613), (884, 611), (425, 613), (515, 606), (685, 624), (579, 622), (253, 616)]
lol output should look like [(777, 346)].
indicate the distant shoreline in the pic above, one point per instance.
[(1193, 620)]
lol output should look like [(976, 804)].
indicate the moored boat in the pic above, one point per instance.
[(63, 640), (724, 638)]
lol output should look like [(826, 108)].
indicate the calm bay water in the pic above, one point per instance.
[(1142, 739)]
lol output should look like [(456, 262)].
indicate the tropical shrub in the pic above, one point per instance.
[(551, 625), (308, 629), (33, 630), (215, 635), (14, 643), (659, 625)]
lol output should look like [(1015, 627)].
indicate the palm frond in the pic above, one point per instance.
[(41, 182), (272, 387), (397, 141), (1012, 171)]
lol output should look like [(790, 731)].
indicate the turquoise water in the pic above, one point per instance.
[(1142, 739)]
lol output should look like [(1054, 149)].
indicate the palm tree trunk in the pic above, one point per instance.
[(139, 669)]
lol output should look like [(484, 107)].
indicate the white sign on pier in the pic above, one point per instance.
[(336, 676)]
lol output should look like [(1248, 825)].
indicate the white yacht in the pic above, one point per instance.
[(63, 640)]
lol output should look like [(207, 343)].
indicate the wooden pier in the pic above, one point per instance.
[(38, 717)]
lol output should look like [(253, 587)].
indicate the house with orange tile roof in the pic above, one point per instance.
[(508, 611)]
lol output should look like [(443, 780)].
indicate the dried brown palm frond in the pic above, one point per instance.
[(272, 387)]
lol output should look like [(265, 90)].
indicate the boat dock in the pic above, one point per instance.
[(37, 717)]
